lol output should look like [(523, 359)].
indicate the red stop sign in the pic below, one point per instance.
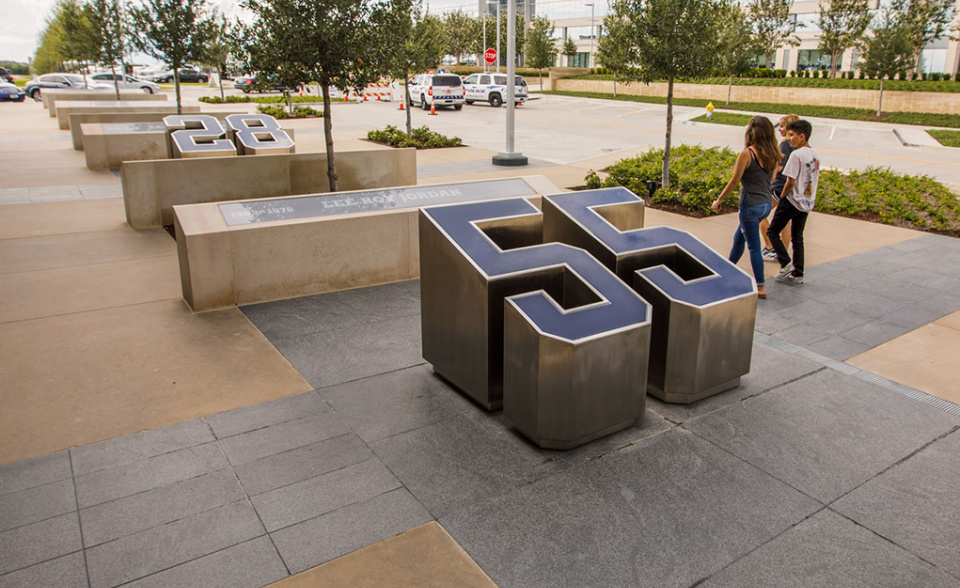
[(490, 55)]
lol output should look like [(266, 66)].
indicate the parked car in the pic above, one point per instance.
[(492, 88), (187, 73), (440, 89), (34, 87), (126, 82), (5, 75), (11, 93), (255, 84)]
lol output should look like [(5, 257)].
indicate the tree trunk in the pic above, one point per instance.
[(833, 65), (665, 181), (176, 84), (880, 101), (328, 135), (406, 101), (116, 82), (614, 85), (540, 71), (729, 89), (220, 79), (286, 96), (769, 61)]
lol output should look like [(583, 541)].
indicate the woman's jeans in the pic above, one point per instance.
[(749, 232)]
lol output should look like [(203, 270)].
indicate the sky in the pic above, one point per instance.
[(22, 21)]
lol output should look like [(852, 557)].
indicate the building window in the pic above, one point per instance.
[(812, 59)]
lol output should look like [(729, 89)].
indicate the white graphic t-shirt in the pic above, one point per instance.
[(804, 167)]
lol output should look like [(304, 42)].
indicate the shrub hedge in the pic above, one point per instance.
[(423, 138)]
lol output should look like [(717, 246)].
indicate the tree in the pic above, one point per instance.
[(772, 26), (173, 31), (613, 48), (570, 50), (669, 39), (888, 52), (923, 21), (842, 25), (736, 43), (221, 44), (108, 24), (49, 56), (540, 49), (331, 42), (457, 37), (80, 37)]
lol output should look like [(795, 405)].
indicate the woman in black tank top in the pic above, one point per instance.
[(753, 172)]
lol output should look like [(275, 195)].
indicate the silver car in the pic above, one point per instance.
[(126, 82)]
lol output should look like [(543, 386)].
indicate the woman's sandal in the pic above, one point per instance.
[(762, 294)]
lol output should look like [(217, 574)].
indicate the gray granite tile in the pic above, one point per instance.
[(928, 278), (317, 496), (665, 512), (943, 305), (130, 448), (802, 334), (914, 504), (806, 310), (910, 293), (68, 571), (37, 471), (771, 322), (283, 437), (131, 514), (838, 348), (395, 402), (268, 473), (837, 321), (457, 462), (248, 565), (37, 504), (829, 550), (874, 333), (769, 368), (265, 414), (862, 302), (815, 288), (157, 549), (912, 317), (321, 539), (150, 473), (342, 355), (779, 297), (32, 544), (826, 433)]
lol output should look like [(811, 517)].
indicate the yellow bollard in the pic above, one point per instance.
[(710, 111)]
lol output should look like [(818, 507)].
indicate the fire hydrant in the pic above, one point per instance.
[(710, 111)]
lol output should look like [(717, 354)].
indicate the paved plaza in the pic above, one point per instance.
[(306, 442)]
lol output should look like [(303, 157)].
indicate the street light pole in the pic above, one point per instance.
[(509, 157), (590, 55)]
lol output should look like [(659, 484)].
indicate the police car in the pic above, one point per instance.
[(492, 88), (441, 89)]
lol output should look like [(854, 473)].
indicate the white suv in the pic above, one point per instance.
[(441, 89), (492, 87)]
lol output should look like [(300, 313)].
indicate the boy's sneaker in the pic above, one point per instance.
[(769, 254), (792, 279), (785, 271)]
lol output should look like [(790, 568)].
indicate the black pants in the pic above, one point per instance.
[(786, 212)]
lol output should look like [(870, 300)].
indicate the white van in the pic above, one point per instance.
[(441, 89), (492, 87)]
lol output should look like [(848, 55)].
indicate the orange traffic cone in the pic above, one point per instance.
[(401, 105), (433, 108), (346, 96)]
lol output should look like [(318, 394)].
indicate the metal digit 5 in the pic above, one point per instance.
[(197, 135), (259, 133), (543, 329), (704, 306)]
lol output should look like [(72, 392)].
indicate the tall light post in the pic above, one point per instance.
[(590, 55), (510, 157)]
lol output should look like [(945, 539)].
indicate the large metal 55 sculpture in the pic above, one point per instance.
[(547, 314)]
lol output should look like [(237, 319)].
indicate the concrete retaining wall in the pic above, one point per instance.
[(223, 265), (152, 188), (78, 119), (66, 108), (937, 102), (49, 97)]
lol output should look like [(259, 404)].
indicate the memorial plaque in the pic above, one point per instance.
[(124, 128), (276, 209)]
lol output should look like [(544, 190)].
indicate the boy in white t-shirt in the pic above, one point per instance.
[(796, 201)]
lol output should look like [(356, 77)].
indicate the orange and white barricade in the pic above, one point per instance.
[(381, 91)]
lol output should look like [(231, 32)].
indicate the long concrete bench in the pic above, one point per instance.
[(65, 109), (78, 119), (107, 146), (152, 188), (250, 251), (49, 97)]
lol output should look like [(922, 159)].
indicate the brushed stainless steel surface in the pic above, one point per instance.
[(258, 134), (197, 135)]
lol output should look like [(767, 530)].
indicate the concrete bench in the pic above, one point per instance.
[(107, 146), (152, 188), (65, 109), (49, 97), (79, 119), (275, 248)]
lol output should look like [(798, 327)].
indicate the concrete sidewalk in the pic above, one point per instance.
[(306, 441)]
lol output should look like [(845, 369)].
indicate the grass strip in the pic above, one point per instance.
[(946, 138), (838, 112), (949, 87)]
